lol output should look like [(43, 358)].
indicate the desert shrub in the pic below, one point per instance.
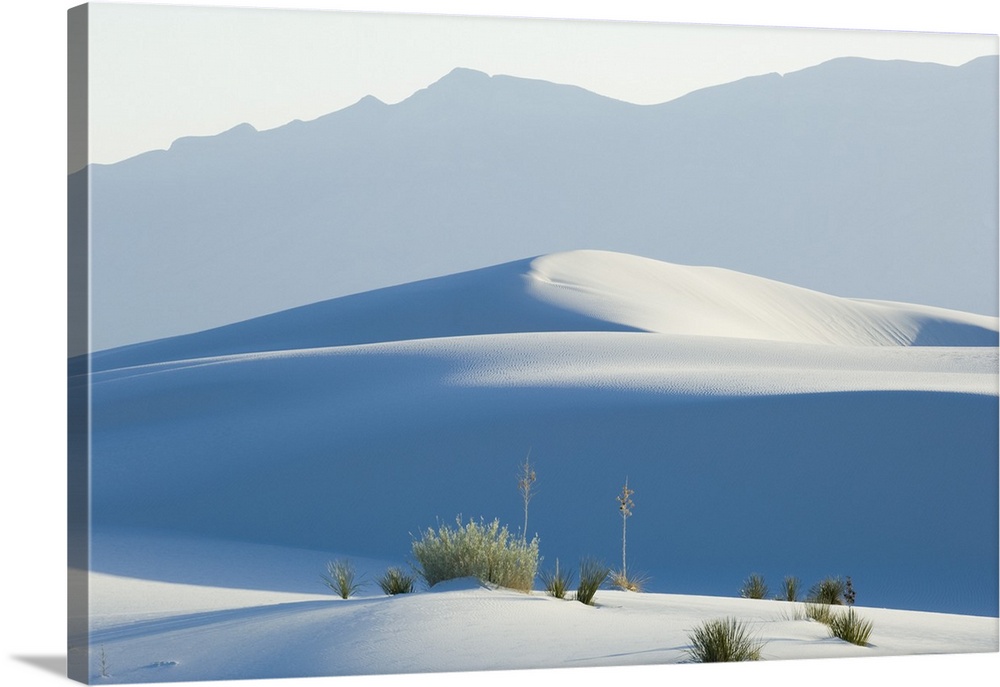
[(851, 627), (485, 551), (557, 583), (341, 578), (754, 587), (819, 612), (726, 639), (628, 582), (395, 581), (794, 612), (790, 589), (828, 591), (593, 573)]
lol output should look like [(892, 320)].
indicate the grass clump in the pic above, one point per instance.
[(557, 583), (341, 578), (795, 612), (828, 591), (821, 613), (790, 589), (486, 551), (723, 640), (754, 587), (593, 573), (395, 581), (628, 582), (822, 595), (851, 627)]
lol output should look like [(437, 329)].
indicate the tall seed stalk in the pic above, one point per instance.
[(625, 505), (525, 484)]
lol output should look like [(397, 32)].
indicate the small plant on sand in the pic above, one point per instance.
[(727, 639), (828, 591), (754, 587), (619, 579), (395, 581), (790, 589), (628, 582), (341, 578), (794, 612), (557, 583), (485, 551), (593, 573), (851, 627), (819, 612)]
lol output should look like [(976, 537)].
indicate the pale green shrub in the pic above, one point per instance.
[(485, 551)]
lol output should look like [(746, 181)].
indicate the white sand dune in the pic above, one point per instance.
[(654, 296), (155, 631), (765, 428), (686, 365), (579, 291)]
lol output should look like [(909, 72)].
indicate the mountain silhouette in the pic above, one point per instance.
[(856, 177)]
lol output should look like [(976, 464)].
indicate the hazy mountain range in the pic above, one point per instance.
[(855, 177)]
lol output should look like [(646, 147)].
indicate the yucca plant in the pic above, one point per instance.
[(628, 582), (341, 578), (794, 612), (557, 583), (723, 640), (592, 576), (754, 587), (828, 591), (851, 627), (395, 581), (819, 612), (790, 589)]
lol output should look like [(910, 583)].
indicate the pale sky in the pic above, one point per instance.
[(159, 72)]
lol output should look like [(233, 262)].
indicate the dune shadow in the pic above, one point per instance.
[(202, 619), (632, 653)]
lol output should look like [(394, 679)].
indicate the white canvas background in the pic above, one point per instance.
[(33, 288)]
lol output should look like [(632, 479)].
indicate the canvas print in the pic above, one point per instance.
[(416, 343)]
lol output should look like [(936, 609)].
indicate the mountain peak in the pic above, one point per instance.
[(461, 78), (465, 73), (235, 132)]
